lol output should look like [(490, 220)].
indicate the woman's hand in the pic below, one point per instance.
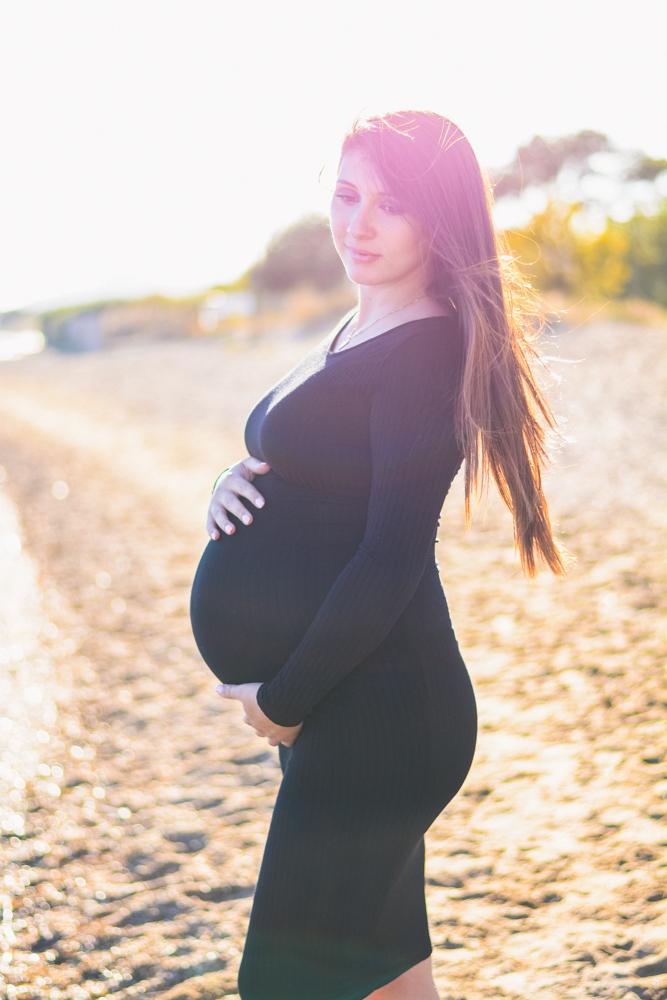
[(254, 716), (234, 482)]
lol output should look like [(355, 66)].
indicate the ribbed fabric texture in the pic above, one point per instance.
[(413, 455), (332, 600)]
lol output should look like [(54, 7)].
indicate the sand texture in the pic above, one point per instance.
[(134, 800)]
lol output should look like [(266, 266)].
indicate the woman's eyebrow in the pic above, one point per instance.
[(350, 184)]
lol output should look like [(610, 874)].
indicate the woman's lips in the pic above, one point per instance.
[(362, 257)]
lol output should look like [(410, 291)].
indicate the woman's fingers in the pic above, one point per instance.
[(211, 526), (231, 503), (245, 489), (237, 482), (256, 465), (216, 520)]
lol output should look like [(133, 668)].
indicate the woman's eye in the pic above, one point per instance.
[(392, 209)]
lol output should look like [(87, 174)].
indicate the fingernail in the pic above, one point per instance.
[(259, 503)]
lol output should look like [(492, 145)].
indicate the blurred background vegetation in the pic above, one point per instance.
[(589, 246)]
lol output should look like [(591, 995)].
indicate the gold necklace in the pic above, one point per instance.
[(356, 332)]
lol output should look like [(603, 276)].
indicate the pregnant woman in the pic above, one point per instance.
[(324, 614)]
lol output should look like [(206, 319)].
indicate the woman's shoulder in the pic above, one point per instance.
[(427, 341), (424, 366)]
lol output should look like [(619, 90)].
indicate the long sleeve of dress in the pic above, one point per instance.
[(414, 458)]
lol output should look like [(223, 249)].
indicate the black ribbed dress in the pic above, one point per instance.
[(332, 599)]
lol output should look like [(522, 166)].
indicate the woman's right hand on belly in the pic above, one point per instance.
[(234, 482)]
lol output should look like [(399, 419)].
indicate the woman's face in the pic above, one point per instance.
[(363, 218)]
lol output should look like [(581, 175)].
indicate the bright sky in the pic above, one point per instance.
[(153, 145)]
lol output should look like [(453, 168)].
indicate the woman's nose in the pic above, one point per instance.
[(361, 224)]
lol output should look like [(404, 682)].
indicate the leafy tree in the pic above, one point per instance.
[(645, 168), (540, 161), (647, 255), (601, 266), (546, 247), (560, 256), (302, 254)]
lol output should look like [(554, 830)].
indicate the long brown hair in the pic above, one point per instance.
[(428, 164)]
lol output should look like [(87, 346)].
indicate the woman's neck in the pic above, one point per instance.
[(386, 314)]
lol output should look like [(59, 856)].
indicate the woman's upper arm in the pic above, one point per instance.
[(414, 458)]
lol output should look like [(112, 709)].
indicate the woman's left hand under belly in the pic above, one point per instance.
[(254, 716)]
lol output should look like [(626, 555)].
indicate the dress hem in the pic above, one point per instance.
[(387, 977)]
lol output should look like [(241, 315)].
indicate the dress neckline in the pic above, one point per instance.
[(378, 336)]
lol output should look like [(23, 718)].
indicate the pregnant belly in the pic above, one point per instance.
[(255, 592)]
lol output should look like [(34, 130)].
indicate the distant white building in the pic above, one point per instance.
[(19, 343)]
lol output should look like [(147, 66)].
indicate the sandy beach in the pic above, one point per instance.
[(135, 801)]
